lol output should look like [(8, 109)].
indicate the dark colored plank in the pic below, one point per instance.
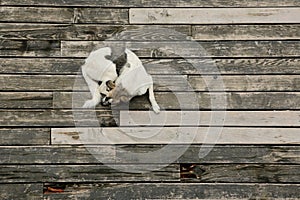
[(120, 154), (31, 31), (158, 66), (190, 49), (24, 136), (246, 32), (169, 101), (83, 173), (30, 48), (26, 100), (250, 173), (54, 118), (21, 191), (178, 191), (155, 3)]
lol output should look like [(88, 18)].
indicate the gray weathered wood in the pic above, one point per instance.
[(63, 154), (158, 66), (246, 32), (169, 100), (231, 118), (30, 48), (26, 100), (83, 173), (32, 31), (179, 191), (24, 136), (190, 49), (246, 173), (213, 15), (63, 15), (70, 136), (55, 118), (21, 191), (155, 3)]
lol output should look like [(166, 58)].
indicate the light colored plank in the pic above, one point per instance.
[(188, 49), (231, 118), (168, 135), (246, 32), (179, 191), (26, 100), (214, 15), (112, 154), (24, 136), (158, 66), (169, 100), (84, 173), (155, 3)]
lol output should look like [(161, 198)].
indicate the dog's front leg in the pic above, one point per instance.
[(96, 97), (153, 102)]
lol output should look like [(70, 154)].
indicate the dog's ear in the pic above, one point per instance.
[(110, 84)]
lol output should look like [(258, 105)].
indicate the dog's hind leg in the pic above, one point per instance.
[(153, 102), (93, 87)]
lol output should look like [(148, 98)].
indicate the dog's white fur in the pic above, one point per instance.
[(133, 81), (98, 68)]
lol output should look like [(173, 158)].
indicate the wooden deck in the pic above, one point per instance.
[(255, 46)]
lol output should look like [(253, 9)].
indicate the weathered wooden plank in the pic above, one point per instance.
[(24, 136), (63, 15), (120, 154), (246, 83), (246, 32), (231, 118), (77, 83), (155, 3), (245, 173), (178, 191), (30, 48), (54, 118), (21, 191), (31, 31), (36, 14), (169, 100), (136, 135), (26, 100), (213, 15), (83, 173), (158, 66), (188, 49)]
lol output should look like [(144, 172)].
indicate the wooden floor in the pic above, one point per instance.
[(252, 46)]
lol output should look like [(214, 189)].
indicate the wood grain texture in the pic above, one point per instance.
[(21, 191), (24, 136), (170, 100), (71, 66), (82, 173), (246, 173), (246, 32), (136, 135), (231, 118), (112, 154), (30, 48), (179, 191), (155, 3), (34, 31), (256, 49), (213, 15), (54, 118), (26, 100)]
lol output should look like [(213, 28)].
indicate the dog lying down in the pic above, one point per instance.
[(120, 78)]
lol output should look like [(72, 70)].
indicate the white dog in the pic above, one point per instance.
[(103, 66)]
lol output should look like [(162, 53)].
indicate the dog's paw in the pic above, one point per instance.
[(156, 108), (89, 104)]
